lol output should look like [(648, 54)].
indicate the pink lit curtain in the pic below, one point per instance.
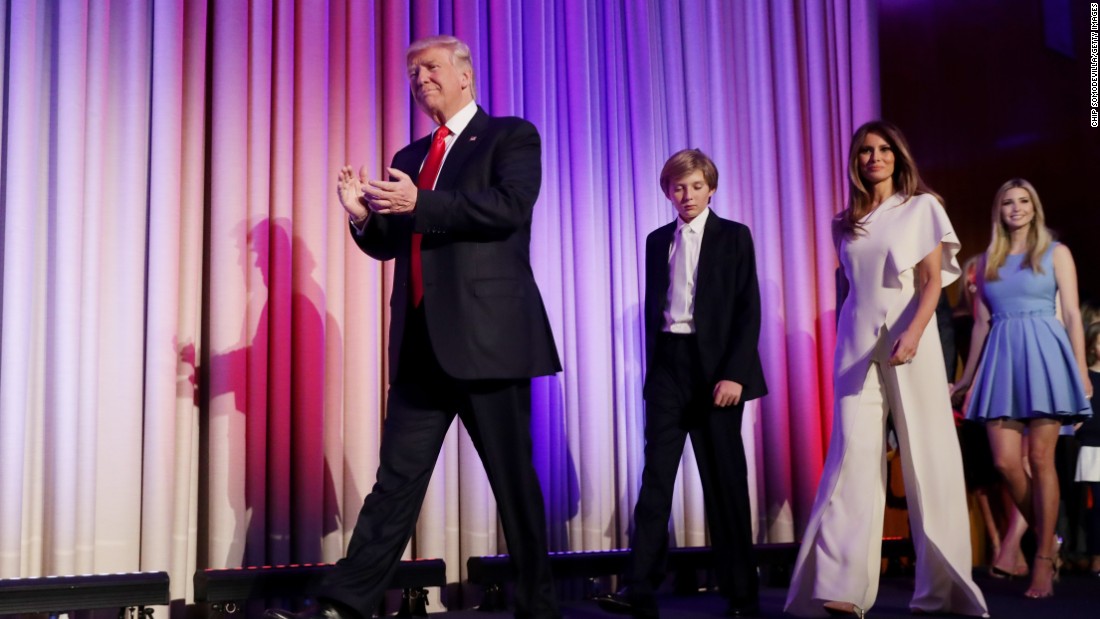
[(192, 368)]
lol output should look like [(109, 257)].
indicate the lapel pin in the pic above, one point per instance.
[(473, 137)]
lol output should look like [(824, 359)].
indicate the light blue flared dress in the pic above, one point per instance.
[(1027, 369)]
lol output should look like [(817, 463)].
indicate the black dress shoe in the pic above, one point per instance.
[(323, 610), (627, 603), (741, 607)]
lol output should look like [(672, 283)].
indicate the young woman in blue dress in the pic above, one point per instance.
[(1026, 370)]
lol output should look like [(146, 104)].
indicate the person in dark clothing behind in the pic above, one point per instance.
[(1088, 458)]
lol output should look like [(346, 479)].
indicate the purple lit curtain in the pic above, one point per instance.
[(192, 352)]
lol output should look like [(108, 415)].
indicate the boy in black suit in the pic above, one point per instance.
[(702, 318)]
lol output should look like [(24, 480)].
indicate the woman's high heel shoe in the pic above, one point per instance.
[(1055, 564), (1020, 572), (1057, 553), (844, 609)]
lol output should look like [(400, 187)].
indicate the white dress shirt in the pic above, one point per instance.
[(683, 267), (456, 125)]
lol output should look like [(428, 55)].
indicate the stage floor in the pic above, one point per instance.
[(1075, 596)]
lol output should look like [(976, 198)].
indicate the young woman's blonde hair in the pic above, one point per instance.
[(907, 179), (1039, 237)]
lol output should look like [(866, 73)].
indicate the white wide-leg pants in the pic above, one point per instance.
[(841, 552)]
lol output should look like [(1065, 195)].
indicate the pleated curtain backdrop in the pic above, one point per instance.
[(192, 351)]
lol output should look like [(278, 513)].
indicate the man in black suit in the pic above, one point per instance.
[(468, 329), (702, 319)]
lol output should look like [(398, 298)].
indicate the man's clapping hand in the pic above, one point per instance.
[(392, 197), (349, 187)]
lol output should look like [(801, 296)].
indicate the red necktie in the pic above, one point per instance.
[(426, 180)]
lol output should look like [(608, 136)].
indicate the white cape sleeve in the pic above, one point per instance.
[(924, 226)]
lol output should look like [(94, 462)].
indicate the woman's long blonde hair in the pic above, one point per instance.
[(907, 179), (1039, 237)]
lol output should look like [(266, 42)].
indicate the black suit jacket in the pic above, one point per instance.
[(727, 302), (483, 310)]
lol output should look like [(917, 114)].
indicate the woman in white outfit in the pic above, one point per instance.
[(897, 250)]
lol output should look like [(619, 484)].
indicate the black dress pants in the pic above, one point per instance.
[(423, 402), (680, 402)]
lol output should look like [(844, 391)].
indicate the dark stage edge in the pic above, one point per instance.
[(1075, 596)]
